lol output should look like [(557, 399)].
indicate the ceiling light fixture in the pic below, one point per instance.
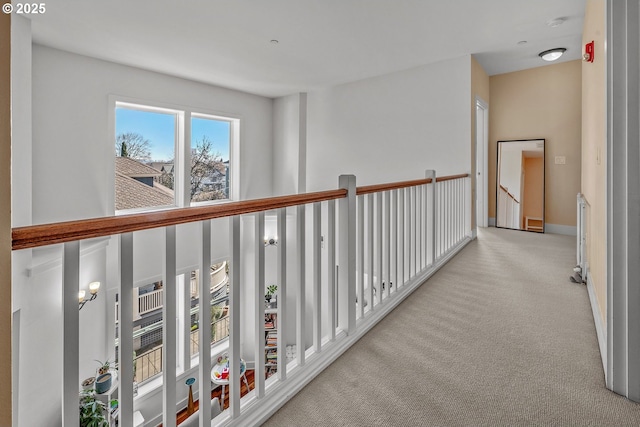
[(521, 42), (274, 41), (552, 54), (556, 22)]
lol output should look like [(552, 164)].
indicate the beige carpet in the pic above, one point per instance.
[(498, 337)]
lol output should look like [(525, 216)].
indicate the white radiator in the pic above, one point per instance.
[(581, 238)]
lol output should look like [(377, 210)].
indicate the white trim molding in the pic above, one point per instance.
[(623, 210), (601, 328)]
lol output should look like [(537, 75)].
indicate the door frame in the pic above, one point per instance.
[(482, 163)]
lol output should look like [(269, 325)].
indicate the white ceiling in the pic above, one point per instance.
[(321, 42)]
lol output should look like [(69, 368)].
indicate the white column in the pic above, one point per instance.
[(70, 333)]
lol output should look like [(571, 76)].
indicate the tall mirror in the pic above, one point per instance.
[(520, 185)]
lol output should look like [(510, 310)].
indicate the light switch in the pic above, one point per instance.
[(561, 160)]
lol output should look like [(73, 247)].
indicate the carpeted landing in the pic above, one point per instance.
[(498, 337)]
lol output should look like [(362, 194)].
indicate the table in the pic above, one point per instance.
[(220, 374)]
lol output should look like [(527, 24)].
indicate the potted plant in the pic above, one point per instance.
[(271, 291), (104, 367), (92, 410), (103, 378)]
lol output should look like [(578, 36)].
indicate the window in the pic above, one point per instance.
[(210, 144), (156, 166)]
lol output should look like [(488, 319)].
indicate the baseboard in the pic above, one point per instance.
[(601, 330), (492, 222), (567, 230)]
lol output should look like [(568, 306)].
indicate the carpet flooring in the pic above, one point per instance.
[(498, 337)]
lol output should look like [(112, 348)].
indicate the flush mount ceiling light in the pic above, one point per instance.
[(552, 54), (556, 22)]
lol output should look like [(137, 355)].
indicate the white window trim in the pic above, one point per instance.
[(182, 151)]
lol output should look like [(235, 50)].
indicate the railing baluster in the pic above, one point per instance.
[(431, 174), (387, 240), (394, 240), (259, 373), (125, 332), (282, 297), (418, 229), (410, 229), (414, 228), (234, 329), (360, 263), (401, 232), (300, 291), (204, 327), (370, 253), (317, 277), (331, 267), (70, 333), (169, 328), (379, 244)]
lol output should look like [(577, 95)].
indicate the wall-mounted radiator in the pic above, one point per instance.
[(581, 241)]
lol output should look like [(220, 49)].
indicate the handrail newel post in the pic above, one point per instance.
[(431, 174), (347, 255)]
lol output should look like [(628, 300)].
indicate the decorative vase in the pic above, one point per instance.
[(103, 383), (190, 406)]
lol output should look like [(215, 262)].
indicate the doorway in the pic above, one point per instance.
[(482, 163)]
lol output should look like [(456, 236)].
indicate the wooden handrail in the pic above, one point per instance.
[(367, 189), (48, 234), (509, 194), (451, 177)]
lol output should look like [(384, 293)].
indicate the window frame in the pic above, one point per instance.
[(182, 161)]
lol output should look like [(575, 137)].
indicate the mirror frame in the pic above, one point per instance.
[(544, 167)]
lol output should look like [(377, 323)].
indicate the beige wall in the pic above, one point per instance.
[(594, 149), (543, 102), (5, 219), (479, 88)]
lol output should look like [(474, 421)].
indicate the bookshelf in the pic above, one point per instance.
[(270, 341)]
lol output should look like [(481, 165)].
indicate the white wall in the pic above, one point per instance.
[(71, 145), (286, 142), (392, 127), (72, 157)]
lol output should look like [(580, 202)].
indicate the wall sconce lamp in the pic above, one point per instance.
[(270, 241), (93, 290), (588, 52), (552, 54)]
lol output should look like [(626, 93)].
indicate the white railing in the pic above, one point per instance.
[(150, 301), (378, 243)]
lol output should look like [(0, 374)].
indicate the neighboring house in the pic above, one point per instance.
[(135, 186)]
